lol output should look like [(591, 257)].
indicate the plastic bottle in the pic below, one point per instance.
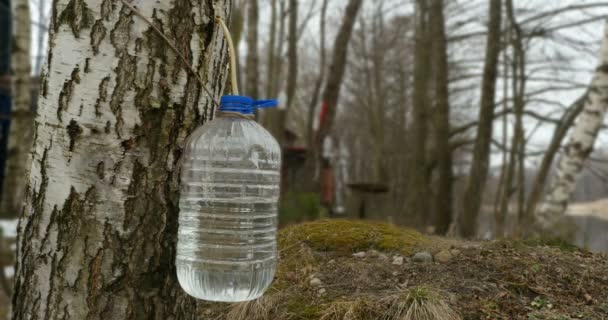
[(230, 180)]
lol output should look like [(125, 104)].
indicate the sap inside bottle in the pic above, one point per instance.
[(230, 177)]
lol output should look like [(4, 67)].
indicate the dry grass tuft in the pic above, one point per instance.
[(357, 309), (418, 303), (259, 309)]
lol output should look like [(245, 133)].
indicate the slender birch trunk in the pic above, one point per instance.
[(98, 231), (580, 144), (22, 121)]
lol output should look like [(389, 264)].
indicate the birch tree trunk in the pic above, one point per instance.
[(580, 144), (98, 231), (20, 134)]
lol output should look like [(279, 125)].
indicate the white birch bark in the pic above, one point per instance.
[(580, 144), (97, 236), (21, 129)]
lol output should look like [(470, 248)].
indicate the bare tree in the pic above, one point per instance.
[(292, 53), (419, 187), (443, 195), (467, 218), (336, 69), (252, 85), (273, 119), (319, 81), (97, 236), (518, 86)]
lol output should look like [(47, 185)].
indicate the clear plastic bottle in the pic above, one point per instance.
[(230, 180)]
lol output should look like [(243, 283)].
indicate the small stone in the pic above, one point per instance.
[(395, 274), (443, 256), (331, 261), (373, 253), (316, 282), (455, 252), (322, 291), (423, 257), (397, 260), (359, 255), (382, 257)]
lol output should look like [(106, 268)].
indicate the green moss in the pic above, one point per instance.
[(348, 236), (298, 207)]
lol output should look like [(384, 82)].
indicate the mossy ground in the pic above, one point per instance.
[(489, 280)]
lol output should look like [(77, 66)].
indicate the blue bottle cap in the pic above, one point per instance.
[(244, 105)]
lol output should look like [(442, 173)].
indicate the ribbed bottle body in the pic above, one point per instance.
[(230, 180)]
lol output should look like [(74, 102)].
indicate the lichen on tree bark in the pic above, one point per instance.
[(97, 235)]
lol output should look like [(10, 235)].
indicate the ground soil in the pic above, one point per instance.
[(481, 280)]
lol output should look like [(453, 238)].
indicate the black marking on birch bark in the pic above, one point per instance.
[(603, 68), (108, 127), (52, 222), (26, 263), (593, 89), (49, 305), (120, 36), (182, 29), (66, 92), (87, 67), (143, 98), (106, 8), (591, 133), (103, 95), (593, 113), (95, 281), (77, 15), (101, 168), (126, 71), (74, 132), (127, 145), (98, 33), (44, 83)]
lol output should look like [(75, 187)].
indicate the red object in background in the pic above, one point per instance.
[(322, 114), (327, 186)]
